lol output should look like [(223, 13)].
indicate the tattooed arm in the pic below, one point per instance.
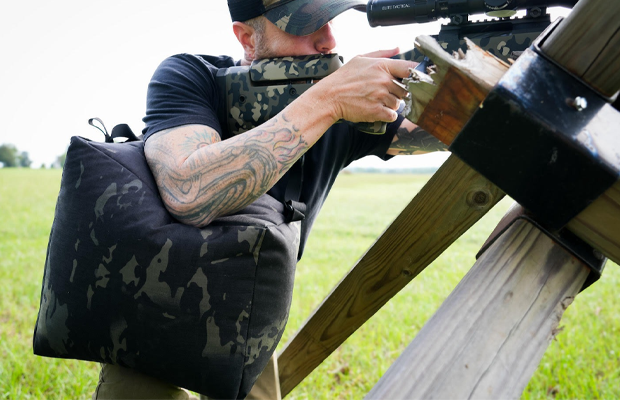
[(411, 139), (201, 177)]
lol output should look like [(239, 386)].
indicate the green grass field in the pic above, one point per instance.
[(582, 363)]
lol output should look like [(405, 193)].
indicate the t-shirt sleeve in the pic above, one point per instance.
[(182, 91), (364, 144)]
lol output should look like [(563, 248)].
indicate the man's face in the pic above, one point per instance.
[(277, 43)]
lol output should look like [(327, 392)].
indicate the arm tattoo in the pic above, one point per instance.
[(221, 177), (416, 141), (198, 140)]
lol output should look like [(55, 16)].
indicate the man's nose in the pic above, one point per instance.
[(324, 40)]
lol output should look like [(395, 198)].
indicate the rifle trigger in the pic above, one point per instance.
[(426, 62)]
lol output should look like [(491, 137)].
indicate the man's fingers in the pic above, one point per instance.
[(398, 90), (400, 68), (383, 53), (394, 102), (391, 115)]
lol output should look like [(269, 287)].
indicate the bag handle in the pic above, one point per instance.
[(119, 131)]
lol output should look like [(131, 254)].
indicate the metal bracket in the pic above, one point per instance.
[(545, 138), (591, 257)]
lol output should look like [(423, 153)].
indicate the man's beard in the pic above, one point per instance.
[(263, 50)]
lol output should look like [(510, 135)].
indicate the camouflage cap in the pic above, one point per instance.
[(297, 17)]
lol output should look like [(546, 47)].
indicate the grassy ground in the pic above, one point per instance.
[(582, 363), (27, 199)]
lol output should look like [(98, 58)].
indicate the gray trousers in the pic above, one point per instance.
[(117, 382)]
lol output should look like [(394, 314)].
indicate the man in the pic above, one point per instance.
[(203, 173)]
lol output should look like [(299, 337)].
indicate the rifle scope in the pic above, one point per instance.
[(400, 12)]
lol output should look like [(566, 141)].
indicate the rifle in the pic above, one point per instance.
[(253, 95), (504, 37)]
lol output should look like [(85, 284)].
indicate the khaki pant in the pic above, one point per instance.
[(123, 383)]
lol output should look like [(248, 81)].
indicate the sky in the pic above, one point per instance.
[(66, 61)]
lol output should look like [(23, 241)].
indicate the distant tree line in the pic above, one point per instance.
[(11, 157)]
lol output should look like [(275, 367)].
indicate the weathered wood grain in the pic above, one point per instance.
[(587, 43), (599, 224), (450, 203), (488, 337), (445, 101)]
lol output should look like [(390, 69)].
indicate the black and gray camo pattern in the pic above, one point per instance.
[(503, 47), (253, 95), (303, 17), (126, 284)]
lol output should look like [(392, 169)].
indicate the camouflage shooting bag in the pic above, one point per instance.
[(126, 284)]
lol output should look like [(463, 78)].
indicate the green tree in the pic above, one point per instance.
[(8, 155), (24, 159), (60, 161)]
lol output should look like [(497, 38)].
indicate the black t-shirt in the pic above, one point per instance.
[(183, 91)]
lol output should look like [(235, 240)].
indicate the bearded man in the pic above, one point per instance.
[(203, 172)]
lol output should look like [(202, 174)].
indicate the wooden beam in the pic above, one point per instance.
[(587, 43), (487, 338), (448, 205), (444, 103), (599, 224), (445, 100)]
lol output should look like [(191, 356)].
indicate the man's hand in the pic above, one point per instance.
[(364, 89)]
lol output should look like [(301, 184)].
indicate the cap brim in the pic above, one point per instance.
[(305, 17)]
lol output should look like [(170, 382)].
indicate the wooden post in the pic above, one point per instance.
[(488, 337), (453, 200), (443, 109), (448, 205), (446, 100), (587, 44)]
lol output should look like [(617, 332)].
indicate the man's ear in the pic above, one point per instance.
[(245, 36)]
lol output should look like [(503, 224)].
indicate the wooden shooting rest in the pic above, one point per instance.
[(488, 337)]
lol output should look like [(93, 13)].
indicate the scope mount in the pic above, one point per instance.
[(535, 20), (504, 37)]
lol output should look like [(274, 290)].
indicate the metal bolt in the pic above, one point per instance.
[(456, 19), (534, 12), (579, 103), (598, 255)]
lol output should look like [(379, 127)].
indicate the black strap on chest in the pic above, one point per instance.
[(294, 210)]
